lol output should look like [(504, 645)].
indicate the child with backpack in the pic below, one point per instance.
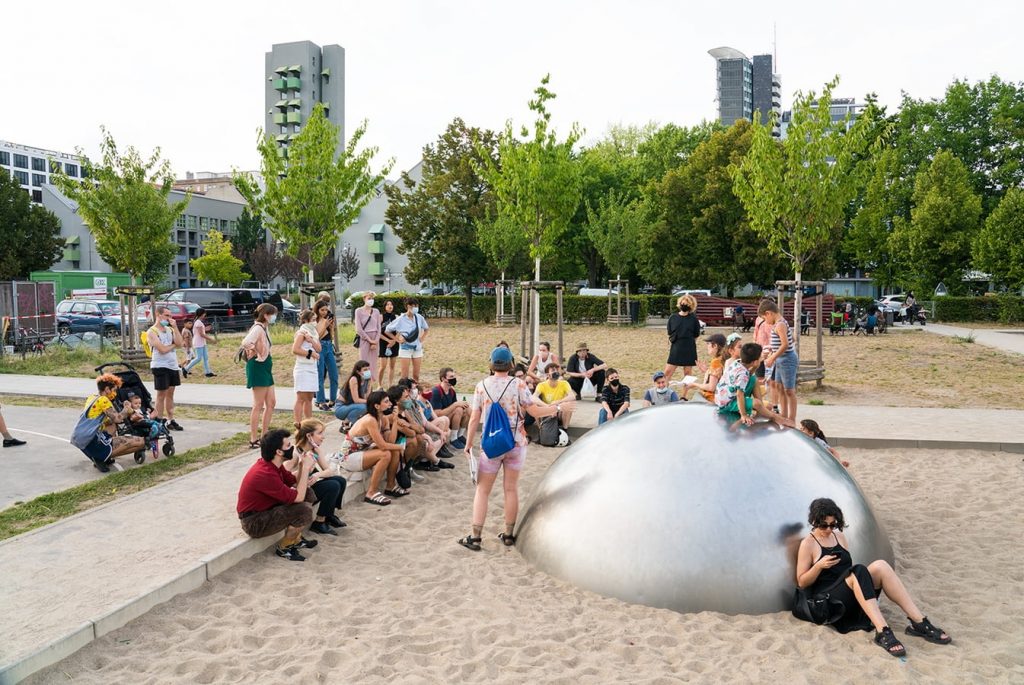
[(503, 442)]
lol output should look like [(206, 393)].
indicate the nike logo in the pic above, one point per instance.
[(493, 433)]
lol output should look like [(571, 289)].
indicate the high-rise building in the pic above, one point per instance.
[(838, 111), (299, 75), (32, 166), (744, 86)]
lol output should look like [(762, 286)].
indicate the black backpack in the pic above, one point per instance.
[(548, 429)]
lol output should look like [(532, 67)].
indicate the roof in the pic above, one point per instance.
[(726, 53)]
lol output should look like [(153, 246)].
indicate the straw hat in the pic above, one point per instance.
[(582, 346)]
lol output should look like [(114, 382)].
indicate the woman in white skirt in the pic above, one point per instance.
[(306, 348)]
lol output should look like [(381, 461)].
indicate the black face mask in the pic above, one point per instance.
[(684, 309), (614, 382), (451, 381), (555, 376), (389, 410), (288, 452)]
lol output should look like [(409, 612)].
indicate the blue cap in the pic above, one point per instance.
[(657, 375), (501, 355)]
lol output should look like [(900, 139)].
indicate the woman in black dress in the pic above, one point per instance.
[(824, 564), (683, 331), (387, 350)]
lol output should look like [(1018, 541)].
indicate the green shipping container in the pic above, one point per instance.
[(66, 282)]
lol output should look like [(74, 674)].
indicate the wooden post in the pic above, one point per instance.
[(821, 358), (558, 315), (523, 287)]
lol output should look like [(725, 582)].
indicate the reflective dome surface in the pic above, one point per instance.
[(669, 507)]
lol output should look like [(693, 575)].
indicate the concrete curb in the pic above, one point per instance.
[(185, 403), (904, 443)]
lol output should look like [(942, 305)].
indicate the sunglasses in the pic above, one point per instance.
[(830, 526)]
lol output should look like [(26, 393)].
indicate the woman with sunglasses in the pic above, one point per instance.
[(824, 564)]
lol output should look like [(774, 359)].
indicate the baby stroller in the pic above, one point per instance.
[(131, 384)]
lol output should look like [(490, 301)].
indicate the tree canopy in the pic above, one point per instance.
[(999, 247), (30, 240), (217, 264)]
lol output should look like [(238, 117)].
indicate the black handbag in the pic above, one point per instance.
[(819, 609), (355, 343)]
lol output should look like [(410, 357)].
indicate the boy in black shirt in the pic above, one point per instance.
[(614, 399)]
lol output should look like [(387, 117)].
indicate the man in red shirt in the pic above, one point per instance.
[(271, 499)]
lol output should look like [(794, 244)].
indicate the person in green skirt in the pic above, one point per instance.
[(259, 376)]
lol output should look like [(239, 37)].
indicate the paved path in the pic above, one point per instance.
[(49, 463), (1008, 340)]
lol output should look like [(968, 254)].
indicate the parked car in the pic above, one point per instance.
[(891, 303), (218, 302), (289, 312), (260, 295), (102, 317), (180, 311)]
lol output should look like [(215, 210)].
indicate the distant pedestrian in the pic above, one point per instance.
[(201, 337), (411, 330), (186, 346), (368, 328), (306, 351), (164, 340), (683, 330), (327, 365), (259, 372), (387, 349)]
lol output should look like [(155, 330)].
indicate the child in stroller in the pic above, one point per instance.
[(140, 424)]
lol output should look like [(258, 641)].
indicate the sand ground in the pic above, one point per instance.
[(394, 599)]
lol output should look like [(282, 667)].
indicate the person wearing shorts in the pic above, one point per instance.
[(783, 358), (104, 445), (164, 341), (500, 392), (367, 445), (410, 330)]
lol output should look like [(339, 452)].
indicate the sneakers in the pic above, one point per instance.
[(303, 543), (459, 443), (444, 465), (445, 453), (103, 468), (425, 466), (289, 553), (321, 528), (174, 425), (211, 375), (335, 521), (417, 476), (13, 442), (184, 372)]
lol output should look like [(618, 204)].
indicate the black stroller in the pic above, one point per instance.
[(131, 384)]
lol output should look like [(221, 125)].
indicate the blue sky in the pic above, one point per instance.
[(189, 77)]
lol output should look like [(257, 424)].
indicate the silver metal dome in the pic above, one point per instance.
[(669, 507)]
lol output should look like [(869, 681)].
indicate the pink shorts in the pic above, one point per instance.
[(513, 459)]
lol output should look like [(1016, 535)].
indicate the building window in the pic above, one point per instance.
[(180, 221), (85, 172), (71, 169), (296, 128), (54, 167), (22, 177), (20, 161), (5, 157), (38, 164), (38, 180), (37, 197), (204, 223), (190, 222), (378, 281)]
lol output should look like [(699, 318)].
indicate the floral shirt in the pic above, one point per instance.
[(735, 379), (517, 396)]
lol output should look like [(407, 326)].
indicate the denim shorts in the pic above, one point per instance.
[(785, 369)]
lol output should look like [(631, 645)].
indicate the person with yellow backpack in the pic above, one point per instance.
[(163, 339)]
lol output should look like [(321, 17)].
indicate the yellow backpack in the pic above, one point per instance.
[(144, 339)]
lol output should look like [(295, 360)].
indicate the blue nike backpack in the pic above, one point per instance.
[(497, 438)]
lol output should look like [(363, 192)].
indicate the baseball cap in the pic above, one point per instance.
[(657, 375), (501, 355)]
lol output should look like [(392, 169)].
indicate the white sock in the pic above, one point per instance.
[(453, 436), (462, 432)]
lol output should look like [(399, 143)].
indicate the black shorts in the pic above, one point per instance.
[(165, 378), (760, 370)]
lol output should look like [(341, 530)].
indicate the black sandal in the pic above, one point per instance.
[(254, 444), (508, 540), (888, 641), (928, 631), (470, 542)]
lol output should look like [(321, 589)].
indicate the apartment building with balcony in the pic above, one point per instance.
[(298, 76)]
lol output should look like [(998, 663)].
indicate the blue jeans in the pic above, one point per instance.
[(602, 416), (352, 412), (329, 365), (202, 355)]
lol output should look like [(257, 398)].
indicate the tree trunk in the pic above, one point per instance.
[(469, 301), (536, 305), (798, 299)]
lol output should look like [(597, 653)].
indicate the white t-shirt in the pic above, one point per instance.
[(199, 334), (164, 360)]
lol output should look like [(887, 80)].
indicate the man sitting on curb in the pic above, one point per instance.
[(660, 393), (556, 392), (271, 499), (445, 403), (582, 366), (614, 399)]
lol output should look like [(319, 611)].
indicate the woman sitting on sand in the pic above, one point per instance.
[(824, 564), (366, 447)]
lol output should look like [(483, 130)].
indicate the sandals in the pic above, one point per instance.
[(378, 499), (890, 643), (397, 491), (508, 540), (470, 542), (928, 631), (254, 444)]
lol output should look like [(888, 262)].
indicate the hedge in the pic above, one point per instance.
[(576, 309), (1002, 309)]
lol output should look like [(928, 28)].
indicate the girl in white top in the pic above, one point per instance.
[(539, 364), (306, 349)]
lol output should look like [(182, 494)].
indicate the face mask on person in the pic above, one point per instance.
[(685, 308), (614, 382), (273, 318), (451, 381), (369, 302), (387, 412), (367, 375), (288, 452), (662, 391), (415, 310), (555, 376), (406, 404)]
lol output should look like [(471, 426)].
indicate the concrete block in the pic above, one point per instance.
[(1014, 447), (355, 489), (48, 654), (189, 580), (235, 553), (874, 443), (959, 445)]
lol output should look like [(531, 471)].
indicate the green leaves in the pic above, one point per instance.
[(999, 247), (30, 239), (217, 264), (124, 203)]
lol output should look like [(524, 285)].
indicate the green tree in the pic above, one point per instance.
[(701, 236), (218, 265), (885, 204), (124, 202), (315, 192), (30, 239), (796, 191), (536, 184), (935, 245), (669, 147), (250, 232), (999, 247), (436, 219), (614, 227)]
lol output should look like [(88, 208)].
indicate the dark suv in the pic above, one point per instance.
[(269, 296), (218, 302)]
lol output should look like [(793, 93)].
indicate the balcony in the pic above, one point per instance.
[(376, 247), (293, 83), (376, 268), (293, 118), (281, 84), (72, 254), (279, 119)]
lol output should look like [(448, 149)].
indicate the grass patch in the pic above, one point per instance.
[(965, 339), (815, 402), (181, 411), (45, 509)]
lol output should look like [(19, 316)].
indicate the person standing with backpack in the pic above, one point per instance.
[(503, 442)]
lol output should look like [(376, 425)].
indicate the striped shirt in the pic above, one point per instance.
[(776, 341)]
